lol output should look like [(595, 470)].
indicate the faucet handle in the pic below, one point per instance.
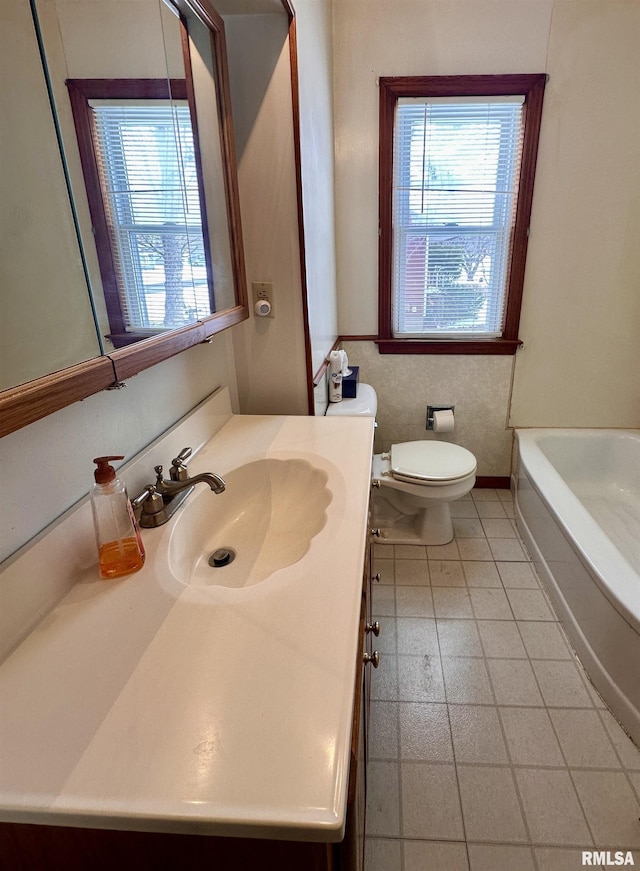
[(149, 499), (178, 471), (153, 503)]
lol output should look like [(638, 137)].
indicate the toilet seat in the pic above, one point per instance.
[(431, 462)]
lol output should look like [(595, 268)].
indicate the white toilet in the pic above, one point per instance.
[(417, 481)]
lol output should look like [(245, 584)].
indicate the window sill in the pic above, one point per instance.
[(448, 346)]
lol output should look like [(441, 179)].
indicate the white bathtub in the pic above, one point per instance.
[(578, 510)]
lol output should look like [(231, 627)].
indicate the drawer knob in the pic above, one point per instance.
[(375, 483), (376, 577), (376, 532), (373, 627), (372, 658)]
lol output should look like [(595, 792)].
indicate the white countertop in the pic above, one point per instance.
[(133, 706)]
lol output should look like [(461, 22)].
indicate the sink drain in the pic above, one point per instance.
[(222, 557)]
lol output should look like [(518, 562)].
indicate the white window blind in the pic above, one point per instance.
[(149, 183), (456, 164)]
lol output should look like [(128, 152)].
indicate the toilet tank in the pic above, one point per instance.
[(364, 404)]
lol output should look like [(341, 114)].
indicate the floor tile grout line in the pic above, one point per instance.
[(398, 700), (514, 766), (514, 782), (523, 707), (531, 845), (523, 816), (400, 795), (626, 771), (601, 715), (453, 753), (582, 672), (562, 752)]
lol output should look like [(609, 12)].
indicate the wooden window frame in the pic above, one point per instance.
[(81, 91), (531, 86)]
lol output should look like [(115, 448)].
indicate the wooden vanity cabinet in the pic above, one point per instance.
[(351, 850), (25, 847)]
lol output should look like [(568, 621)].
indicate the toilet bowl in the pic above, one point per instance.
[(416, 481)]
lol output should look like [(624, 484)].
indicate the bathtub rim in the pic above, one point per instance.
[(593, 545)]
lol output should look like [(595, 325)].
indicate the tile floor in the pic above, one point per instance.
[(489, 750)]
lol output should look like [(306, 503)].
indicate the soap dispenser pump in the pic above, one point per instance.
[(120, 548)]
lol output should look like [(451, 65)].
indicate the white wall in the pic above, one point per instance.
[(269, 352), (585, 201), (315, 70)]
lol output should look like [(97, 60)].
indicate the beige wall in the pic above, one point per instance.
[(586, 202), (269, 352), (580, 365)]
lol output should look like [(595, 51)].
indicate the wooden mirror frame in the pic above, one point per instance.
[(28, 402)]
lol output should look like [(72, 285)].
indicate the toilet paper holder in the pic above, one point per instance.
[(432, 408)]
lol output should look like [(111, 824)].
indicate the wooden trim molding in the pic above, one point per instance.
[(445, 346), (438, 346), (22, 405), (134, 358), (391, 88), (295, 104)]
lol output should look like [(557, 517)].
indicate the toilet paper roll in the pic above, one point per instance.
[(443, 421)]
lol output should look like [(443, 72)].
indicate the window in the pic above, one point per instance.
[(457, 160), (141, 174)]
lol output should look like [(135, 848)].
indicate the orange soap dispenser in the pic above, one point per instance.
[(120, 548)]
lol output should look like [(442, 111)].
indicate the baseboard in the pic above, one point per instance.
[(497, 482)]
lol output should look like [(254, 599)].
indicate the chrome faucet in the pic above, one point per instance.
[(159, 502)]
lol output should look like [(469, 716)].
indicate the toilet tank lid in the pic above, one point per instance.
[(365, 404)]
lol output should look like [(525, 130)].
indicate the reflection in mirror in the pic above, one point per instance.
[(161, 264), (202, 271), (138, 158), (47, 321)]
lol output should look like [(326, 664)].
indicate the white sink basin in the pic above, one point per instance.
[(266, 518)]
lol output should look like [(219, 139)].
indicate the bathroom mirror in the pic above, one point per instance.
[(47, 319), (60, 343)]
